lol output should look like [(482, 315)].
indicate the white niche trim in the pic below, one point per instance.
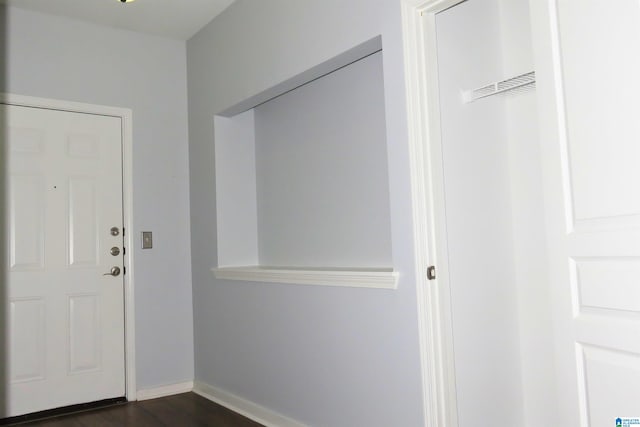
[(382, 278)]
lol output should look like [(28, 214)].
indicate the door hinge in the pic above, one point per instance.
[(431, 272)]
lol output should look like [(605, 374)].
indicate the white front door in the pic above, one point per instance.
[(588, 66), (65, 333)]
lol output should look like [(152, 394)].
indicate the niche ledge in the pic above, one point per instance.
[(382, 278)]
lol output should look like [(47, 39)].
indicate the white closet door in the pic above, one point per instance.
[(66, 318), (588, 67)]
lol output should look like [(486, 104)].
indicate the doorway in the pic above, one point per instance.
[(478, 194), (579, 351)]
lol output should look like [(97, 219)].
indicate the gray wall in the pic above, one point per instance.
[(58, 58), (321, 201), (323, 356)]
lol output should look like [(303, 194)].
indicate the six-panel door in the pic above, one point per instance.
[(65, 334)]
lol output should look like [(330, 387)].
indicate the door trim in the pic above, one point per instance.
[(429, 226), (126, 116)]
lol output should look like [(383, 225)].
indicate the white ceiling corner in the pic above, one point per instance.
[(176, 19)]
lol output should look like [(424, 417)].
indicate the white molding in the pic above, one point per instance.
[(244, 407), (165, 390), (62, 105), (129, 294), (126, 116), (427, 192), (354, 278)]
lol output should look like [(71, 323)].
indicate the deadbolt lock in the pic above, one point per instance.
[(115, 251), (115, 231)]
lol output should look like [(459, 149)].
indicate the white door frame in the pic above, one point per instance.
[(126, 116), (427, 192)]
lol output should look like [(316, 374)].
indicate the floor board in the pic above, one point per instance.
[(184, 410)]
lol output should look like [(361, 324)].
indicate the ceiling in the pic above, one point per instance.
[(177, 19)]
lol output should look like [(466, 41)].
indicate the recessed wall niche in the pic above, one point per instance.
[(302, 186)]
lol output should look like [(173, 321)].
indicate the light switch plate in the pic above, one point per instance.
[(147, 240)]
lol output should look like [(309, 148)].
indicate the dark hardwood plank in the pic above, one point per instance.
[(59, 412), (164, 412), (127, 415), (54, 422), (184, 410), (211, 415), (121, 415)]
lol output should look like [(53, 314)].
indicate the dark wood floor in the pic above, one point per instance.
[(181, 410)]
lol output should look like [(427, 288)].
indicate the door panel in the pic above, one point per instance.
[(608, 284), (83, 234), (84, 329), (66, 318), (601, 84), (83, 146), (26, 141), (26, 201), (611, 378), (27, 319)]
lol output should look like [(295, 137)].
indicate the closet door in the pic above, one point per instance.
[(588, 67)]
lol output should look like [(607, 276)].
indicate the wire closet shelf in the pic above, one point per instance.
[(522, 82)]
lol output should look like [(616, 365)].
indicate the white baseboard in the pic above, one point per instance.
[(244, 407), (165, 390)]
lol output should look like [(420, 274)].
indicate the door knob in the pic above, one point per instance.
[(115, 271), (115, 251)]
